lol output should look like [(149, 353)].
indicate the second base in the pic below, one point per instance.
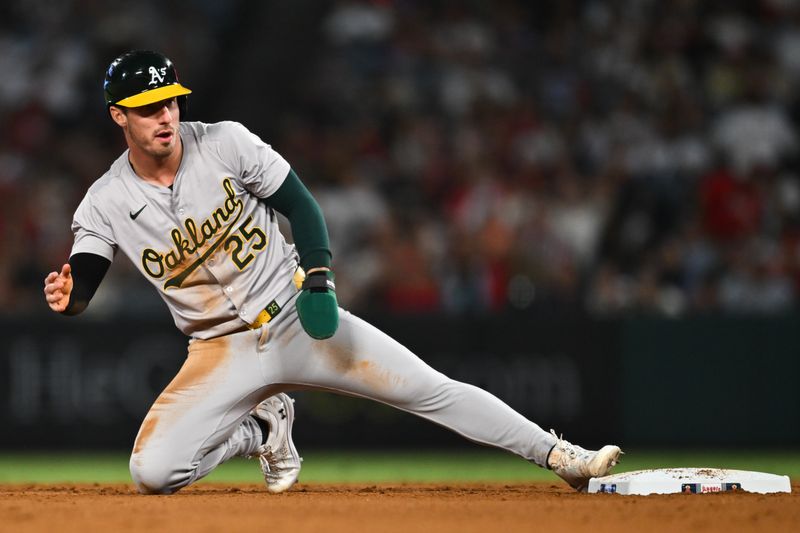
[(689, 480)]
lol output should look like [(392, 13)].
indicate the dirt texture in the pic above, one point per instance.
[(387, 508)]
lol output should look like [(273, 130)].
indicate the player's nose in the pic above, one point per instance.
[(164, 115)]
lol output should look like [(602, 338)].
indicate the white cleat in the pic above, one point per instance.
[(279, 459), (577, 466)]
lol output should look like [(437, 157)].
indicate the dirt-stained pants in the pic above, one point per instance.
[(201, 419)]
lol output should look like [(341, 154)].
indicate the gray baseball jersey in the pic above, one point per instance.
[(209, 244)]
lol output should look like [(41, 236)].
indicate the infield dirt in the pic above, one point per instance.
[(386, 508)]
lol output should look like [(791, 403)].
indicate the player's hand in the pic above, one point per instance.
[(317, 306), (57, 288)]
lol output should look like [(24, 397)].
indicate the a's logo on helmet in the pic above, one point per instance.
[(157, 75)]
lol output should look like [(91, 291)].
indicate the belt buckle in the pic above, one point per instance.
[(268, 313)]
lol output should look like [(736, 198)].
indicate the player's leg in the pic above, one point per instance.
[(363, 361), (201, 418)]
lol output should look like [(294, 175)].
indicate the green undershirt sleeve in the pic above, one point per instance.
[(309, 231)]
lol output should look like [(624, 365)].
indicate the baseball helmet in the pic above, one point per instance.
[(141, 77)]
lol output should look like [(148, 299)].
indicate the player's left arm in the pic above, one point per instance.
[(267, 175), (316, 305)]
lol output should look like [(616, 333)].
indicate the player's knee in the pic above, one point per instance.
[(152, 476), (431, 394)]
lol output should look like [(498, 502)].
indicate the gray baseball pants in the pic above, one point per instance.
[(202, 417)]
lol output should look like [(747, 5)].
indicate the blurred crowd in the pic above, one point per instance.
[(470, 157)]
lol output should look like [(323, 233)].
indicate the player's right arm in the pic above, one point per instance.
[(70, 291)]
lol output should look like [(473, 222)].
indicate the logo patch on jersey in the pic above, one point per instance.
[(156, 75), (217, 226), (136, 214)]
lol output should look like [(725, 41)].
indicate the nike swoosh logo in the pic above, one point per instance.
[(136, 214)]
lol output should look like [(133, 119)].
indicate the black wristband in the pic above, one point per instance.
[(319, 281)]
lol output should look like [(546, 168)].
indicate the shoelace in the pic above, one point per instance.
[(567, 450)]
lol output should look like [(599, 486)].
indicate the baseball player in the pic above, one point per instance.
[(193, 206)]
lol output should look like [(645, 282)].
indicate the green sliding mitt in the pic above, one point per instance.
[(317, 306)]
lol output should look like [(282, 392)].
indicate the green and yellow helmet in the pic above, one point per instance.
[(141, 77)]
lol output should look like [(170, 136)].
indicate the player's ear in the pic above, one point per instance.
[(118, 115)]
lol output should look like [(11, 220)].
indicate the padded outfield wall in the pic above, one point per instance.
[(87, 383)]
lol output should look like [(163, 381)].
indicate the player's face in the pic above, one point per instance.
[(153, 128)]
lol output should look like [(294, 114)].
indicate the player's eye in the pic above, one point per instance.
[(151, 109)]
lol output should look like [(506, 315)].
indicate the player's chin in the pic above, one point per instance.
[(161, 148)]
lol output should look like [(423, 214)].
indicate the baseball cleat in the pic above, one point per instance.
[(577, 466), (280, 462)]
